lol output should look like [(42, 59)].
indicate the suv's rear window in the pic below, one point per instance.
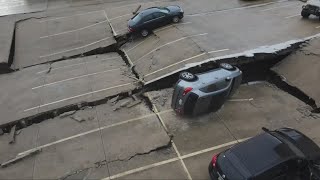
[(228, 169)]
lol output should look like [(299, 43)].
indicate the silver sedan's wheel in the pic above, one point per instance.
[(144, 33), (226, 66), (187, 76), (175, 19)]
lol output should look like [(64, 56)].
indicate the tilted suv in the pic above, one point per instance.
[(200, 93)]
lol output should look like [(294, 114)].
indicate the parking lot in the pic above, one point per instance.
[(69, 54)]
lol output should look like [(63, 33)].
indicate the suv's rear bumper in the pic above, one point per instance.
[(212, 172)]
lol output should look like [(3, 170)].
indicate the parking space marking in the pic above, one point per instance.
[(65, 32), (166, 27), (70, 16), (71, 65), (293, 16), (150, 166), (129, 60), (80, 95), (76, 48), (85, 133), (138, 44), (174, 64), (220, 50), (203, 34), (173, 144), (118, 17), (77, 77), (240, 100), (317, 27), (278, 7), (112, 29)]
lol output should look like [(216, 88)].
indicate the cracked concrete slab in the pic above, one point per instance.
[(141, 160), (301, 69), (44, 40), (23, 169), (65, 158), (46, 87), (130, 135), (108, 115), (6, 38), (59, 128)]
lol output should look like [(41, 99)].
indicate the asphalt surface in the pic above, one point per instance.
[(139, 138)]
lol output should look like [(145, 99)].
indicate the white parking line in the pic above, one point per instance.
[(293, 16), (70, 16), (317, 27), (71, 65), (220, 50), (77, 77), (150, 166), (139, 44), (76, 48), (240, 100), (173, 144), (65, 32), (85, 133), (175, 64), (169, 44), (73, 97), (278, 7), (121, 16)]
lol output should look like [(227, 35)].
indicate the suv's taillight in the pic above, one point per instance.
[(186, 90), (130, 29), (214, 160)]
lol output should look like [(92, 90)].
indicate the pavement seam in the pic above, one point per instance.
[(173, 144)]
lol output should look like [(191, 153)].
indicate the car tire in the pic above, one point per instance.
[(187, 76), (144, 33), (227, 66), (305, 14), (175, 19)]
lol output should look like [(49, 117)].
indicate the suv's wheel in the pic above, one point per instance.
[(144, 33), (187, 76), (227, 66), (175, 19), (305, 14)]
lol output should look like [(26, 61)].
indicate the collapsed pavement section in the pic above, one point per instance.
[(301, 69)]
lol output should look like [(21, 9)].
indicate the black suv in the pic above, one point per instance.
[(312, 7), (283, 154)]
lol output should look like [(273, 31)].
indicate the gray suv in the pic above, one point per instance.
[(312, 7), (200, 93)]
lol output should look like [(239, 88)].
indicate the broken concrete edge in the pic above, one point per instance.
[(277, 80), (19, 157), (250, 55), (38, 118)]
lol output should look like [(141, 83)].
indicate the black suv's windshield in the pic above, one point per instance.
[(137, 18)]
